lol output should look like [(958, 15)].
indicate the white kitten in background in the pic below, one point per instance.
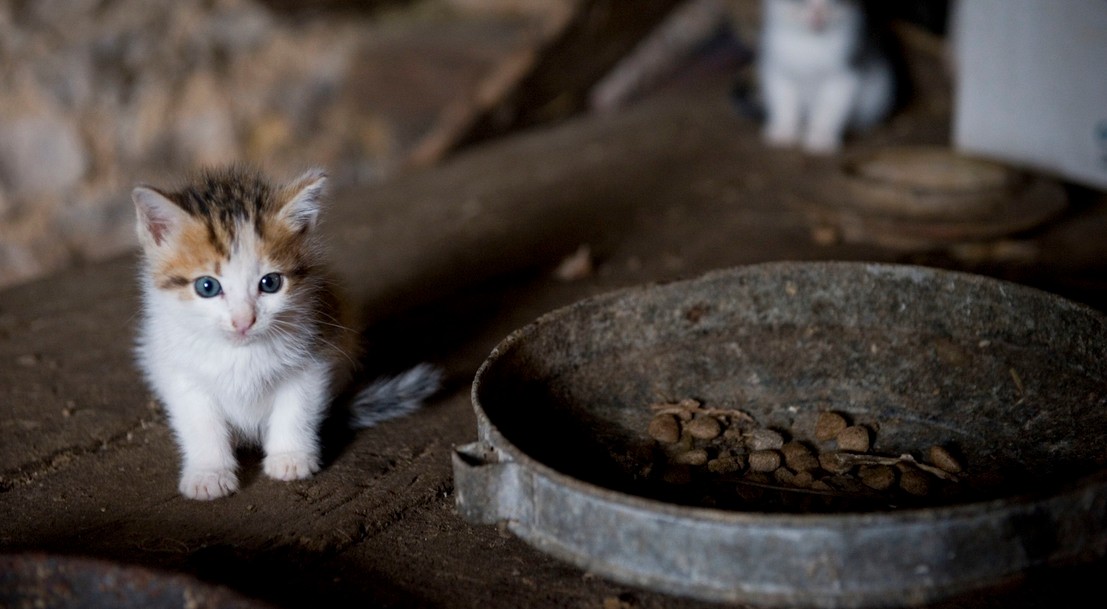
[(821, 73)]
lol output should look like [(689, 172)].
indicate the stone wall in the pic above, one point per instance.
[(96, 95)]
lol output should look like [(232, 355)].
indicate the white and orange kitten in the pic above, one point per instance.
[(242, 338), (820, 73)]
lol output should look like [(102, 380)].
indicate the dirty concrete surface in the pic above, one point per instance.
[(443, 262)]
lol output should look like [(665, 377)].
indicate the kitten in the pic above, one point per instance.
[(823, 70), (242, 338)]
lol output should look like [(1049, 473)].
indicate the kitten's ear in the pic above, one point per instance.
[(158, 217), (305, 200)]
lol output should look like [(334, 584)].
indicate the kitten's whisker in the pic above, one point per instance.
[(280, 324), (339, 326), (337, 349)]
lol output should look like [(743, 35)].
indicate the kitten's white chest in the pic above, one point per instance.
[(245, 374), (808, 55), (240, 379)]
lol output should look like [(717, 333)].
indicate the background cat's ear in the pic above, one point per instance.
[(305, 199), (158, 217)]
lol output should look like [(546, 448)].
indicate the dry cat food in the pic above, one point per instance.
[(735, 462)]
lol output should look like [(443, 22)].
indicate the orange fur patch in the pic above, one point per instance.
[(192, 255), (228, 208), (287, 249)]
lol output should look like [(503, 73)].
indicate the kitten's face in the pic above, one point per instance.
[(239, 288), (814, 15), (234, 254)]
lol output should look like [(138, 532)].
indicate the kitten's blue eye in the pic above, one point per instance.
[(207, 287), (271, 283)]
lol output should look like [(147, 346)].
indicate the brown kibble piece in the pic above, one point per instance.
[(704, 427), (726, 465), (734, 435), (914, 481), (854, 438), (803, 479), (764, 461), (798, 457), (665, 428), (794, 448), (829, 425), (764, 439), (879, 477), (696, 456), (695, 440), (940, 457), (834, 463), (676, 474)]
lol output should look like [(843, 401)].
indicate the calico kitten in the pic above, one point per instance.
[(242, 337), (823, 69)]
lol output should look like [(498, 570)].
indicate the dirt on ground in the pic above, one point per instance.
[(443, 263)]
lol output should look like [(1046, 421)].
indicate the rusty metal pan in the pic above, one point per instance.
[(1014, 378)]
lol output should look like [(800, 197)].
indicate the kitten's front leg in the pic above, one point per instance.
[(784, 107), (204, 438), (830, 113), (292, 436)]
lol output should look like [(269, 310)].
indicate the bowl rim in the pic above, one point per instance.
[(958, 510)]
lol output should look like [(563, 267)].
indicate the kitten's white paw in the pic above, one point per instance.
[(291, 466), (208, 484), (822, 143), (780, 137)]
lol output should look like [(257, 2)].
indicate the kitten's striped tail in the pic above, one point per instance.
[(391, 397)]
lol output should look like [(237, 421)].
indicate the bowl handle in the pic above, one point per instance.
[(490, 487)]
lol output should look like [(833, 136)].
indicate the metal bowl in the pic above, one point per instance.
[(1014, 378)]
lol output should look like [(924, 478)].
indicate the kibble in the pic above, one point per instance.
[(704, 427), (696, 456), (940, 457), (764, 439), (829, 425), (726, 465), (798, 457), (854, 438), (734, 435), (785, 476), (879, 477), (758, 466), (834, 463), (665, 428), (676, 474), (764, 461), (803, 479), (913, 481)]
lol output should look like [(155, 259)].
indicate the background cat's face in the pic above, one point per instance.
[(234, 256), (813, 15)]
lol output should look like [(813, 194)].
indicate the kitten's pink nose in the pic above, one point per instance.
[(243, 323)]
